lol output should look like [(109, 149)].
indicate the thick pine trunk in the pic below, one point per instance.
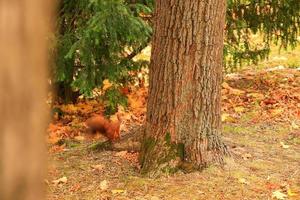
[(23, 83), (183, 119)]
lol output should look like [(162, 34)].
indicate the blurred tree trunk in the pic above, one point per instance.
[(183, 118), (23, 89)]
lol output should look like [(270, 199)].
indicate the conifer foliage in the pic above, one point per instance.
[(96, 40), (276, 21)]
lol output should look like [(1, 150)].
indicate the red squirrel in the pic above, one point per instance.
[(109, 128)]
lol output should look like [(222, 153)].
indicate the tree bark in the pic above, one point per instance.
[(23, 88), (183, 121)]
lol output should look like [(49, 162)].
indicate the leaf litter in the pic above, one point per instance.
[(261, 116)]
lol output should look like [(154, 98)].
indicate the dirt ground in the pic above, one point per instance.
[(259, 166), (262, 133)]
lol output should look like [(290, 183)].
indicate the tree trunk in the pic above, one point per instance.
[(183, 119), (23, 86)]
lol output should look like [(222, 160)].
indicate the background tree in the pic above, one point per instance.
[(183, 121), (97, 40), (273, 21), (23, 83)]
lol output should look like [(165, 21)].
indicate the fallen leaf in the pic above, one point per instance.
[(118, 191), (227, 118), (284, 145), (257, 96), (294, 125), (53, 138), (75, 188), (57, 148), (239, 109), (279, 195), (53, 127), (246, 156), (69, 108), (237, 91), (276, 111), (121, 154), (272, 186), (226, 86), (98, 167), (201, 192), (79, 138), (104, 185), (243, 181), (106, 84), (291, 193), (125, 90), (60, 180)]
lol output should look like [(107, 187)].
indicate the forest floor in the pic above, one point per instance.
[(261, 126)]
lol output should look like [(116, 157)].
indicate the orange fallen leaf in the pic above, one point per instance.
[(75, 188), (276, 111), (121, 154)]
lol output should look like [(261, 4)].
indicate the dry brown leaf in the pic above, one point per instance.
[(279, 195), (79, 138), (239, 109), (63, 179), (121, 154), (246, 156), (98, 167), (284, 145), (243, 181), (75, 188), (276, 111), (106, 84), (227, 118), (118, 191), (226, 86), (237, 91), (69, 108), (257, 96), (104, 185)]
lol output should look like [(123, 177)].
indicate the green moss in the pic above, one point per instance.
[(188, 167), (165, 159), (170, 169), (100, 146), (168, 138), (72, 143), (148, 144), (180, 151)]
